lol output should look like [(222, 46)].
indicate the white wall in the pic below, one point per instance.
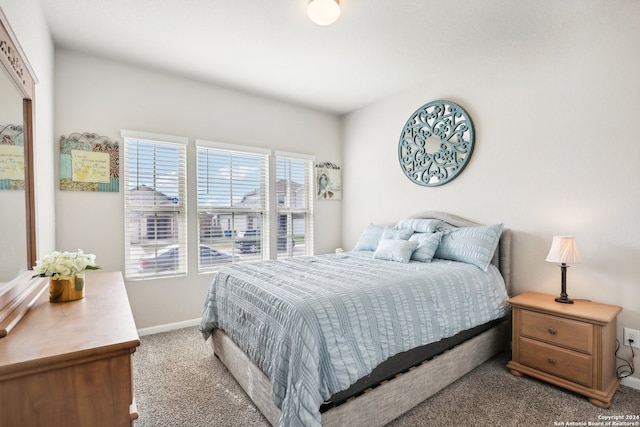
[(95, 95), (27, 21), (557, 152)]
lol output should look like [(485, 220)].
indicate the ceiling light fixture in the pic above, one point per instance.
[(323, 12)]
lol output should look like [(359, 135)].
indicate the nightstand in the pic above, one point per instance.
[(568, 345)]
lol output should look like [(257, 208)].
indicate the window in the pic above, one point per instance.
[(155, 205), (233, 204), (294, 188)]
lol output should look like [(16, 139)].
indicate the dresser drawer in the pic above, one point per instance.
[(571, 334), (573, 366)]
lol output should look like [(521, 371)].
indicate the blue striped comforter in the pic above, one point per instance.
[(315, 325)]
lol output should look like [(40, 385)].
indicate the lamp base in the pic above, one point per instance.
[(563, 298)]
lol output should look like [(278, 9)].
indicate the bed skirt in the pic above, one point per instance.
[(384, 403)]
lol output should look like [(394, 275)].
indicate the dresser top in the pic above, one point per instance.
[(580, 309), (97, 325)]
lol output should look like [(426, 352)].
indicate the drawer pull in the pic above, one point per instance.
[(552, 331), (552, 360)]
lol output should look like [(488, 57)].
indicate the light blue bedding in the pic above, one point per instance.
[(315, 325)]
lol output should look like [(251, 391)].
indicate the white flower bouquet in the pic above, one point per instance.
[(63, 265)]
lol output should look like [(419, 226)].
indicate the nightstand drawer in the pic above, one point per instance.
[(567, 333), (573, 366)]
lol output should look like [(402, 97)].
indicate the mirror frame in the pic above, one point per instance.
[(15, 63)]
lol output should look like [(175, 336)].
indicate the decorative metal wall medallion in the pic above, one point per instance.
[(436, 143)]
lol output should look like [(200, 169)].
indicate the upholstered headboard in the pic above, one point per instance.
[(502, 257)]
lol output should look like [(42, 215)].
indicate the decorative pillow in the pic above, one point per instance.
[(419, 225), (443, 226), (369, 239), (473, 245), (395, 250), (394, 234), (427, 246)]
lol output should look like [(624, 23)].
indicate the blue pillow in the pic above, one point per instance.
[(395, 250), (473, 245), (393, 234), (427, 245), (419, 225), (369, 239)]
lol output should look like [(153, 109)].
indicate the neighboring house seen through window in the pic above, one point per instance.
[(294, 188), (155, 208), (251, 205), (233, 204)]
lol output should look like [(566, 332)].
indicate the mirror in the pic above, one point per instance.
[(13, 229), (17, 217)]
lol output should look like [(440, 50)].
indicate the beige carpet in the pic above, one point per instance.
[(178, 382)]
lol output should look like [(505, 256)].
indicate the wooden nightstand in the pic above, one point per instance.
[(569, 345)]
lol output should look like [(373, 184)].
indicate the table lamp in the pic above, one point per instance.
[(563, 250)]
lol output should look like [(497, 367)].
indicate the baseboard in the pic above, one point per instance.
[(168, 327), (632, 382)]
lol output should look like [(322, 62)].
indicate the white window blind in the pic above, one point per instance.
[(294, 189), (233, 204), (155, 205)]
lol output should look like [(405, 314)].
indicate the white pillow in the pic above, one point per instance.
[(395, 250)]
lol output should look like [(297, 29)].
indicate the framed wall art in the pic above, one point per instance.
[(11, 157), (89, 162), (328, 181)]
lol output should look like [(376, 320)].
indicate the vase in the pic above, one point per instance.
[(62, 290)]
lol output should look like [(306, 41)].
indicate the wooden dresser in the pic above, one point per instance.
[(70, 364), (569, 345)]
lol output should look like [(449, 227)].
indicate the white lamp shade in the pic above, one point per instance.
[(563, 250), (323, 12)]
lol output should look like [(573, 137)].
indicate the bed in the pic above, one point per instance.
[(362, 337)]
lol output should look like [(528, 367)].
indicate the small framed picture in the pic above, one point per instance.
[(328, 181)]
